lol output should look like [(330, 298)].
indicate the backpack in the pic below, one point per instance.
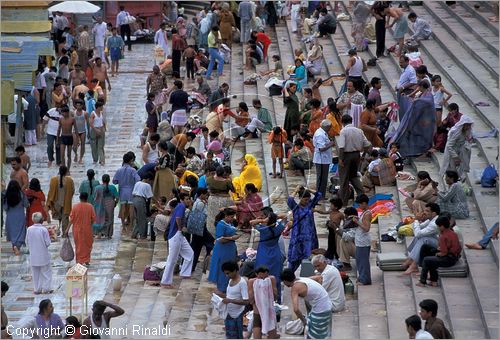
[(488, 178), (399, 162)]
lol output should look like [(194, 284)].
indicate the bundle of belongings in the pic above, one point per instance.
[(275, 86), (154, 272)]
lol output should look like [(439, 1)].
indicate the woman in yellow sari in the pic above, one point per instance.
[(250, 173)]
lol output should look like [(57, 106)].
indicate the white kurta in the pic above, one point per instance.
[(161, 39), (38, 242), (100, 34)]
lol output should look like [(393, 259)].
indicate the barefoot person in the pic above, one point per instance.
[(81, 122), (82, 217), (262, 292), (115, 47), (101, 74), (65, 134)]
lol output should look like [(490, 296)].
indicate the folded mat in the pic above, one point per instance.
[(392, 261), (460, 269)]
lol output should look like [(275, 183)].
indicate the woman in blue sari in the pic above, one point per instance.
[(268, 251), (225, 248), (303, 238), (105, 200), (300, 74)]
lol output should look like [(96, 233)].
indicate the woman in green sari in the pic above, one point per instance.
[(105, 200), (89, 185), (292, 115)]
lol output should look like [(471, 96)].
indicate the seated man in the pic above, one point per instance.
[(345, 242), (414, 328), (421, 28), (327, 24), (483, 243), (331, 280), (426, 232), (446, 255), (433, 324), (252, 57), (203, 92), (319, 319)]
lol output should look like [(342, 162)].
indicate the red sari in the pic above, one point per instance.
[(249, 209), (35, 198), (82, 217)]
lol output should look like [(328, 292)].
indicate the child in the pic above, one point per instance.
[(333, 224), (188, 56), (277, 138), (396, 157), (299, 54), (263, 115), (25, 159), (204, 141), (438, 92), (362, 241), (383, 123)]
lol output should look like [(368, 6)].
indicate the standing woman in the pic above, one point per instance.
[(97, 133), (362, 241), (268, 252), (61, 191), (379, 14), (89, 185), (225, 248), (219, 187), (226, 24), (14, 203), (292, 115), (105, 200), (303, 238), (457, 151), (36, 199)]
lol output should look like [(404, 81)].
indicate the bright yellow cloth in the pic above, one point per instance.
[(251, 174), (187, 173)]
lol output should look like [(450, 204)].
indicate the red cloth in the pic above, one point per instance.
[(265, 40), (82, 217), (250, 209)]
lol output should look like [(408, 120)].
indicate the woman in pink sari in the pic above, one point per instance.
[(250, 207)]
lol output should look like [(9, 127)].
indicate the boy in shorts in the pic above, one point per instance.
[(65, 134)]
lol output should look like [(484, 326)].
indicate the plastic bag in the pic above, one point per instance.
[(67, 253), (406, 230)]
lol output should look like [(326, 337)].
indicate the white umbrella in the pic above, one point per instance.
[(74, 7)]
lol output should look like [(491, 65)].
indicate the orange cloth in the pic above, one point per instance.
[(315, 122), (310, 145), (242, 119), (368, 123), (82, 217)]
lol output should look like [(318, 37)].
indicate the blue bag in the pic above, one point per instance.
[(488, 178)]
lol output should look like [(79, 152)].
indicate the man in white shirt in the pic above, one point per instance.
[(38, 242), (141, 196), (124, 26), (322, 155), (99, 31), (414, 328), (331, 280), (425, 231), (407, 79), (52, 121)]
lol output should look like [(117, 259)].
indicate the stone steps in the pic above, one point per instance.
[(399, 303), (482, 15), (465, 314)]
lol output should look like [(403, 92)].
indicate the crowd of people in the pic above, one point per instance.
[(180, 186)]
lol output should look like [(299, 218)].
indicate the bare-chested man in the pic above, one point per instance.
[(81, 123), (18, 173), (101, 74), (81, 88), (261, 283), (77, 75), (65, 134)]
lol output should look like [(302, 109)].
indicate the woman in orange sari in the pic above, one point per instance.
[(368, 123), (335, 117), (316, 116), (82, 218)]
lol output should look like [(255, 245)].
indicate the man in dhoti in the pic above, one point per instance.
[(319, 319), (38, 242), (82, 218)]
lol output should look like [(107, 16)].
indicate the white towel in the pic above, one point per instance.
[(220, 307), (264, 300), (355, 113)]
